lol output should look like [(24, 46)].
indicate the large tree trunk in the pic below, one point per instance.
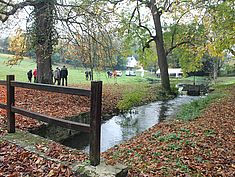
[(162, 60), (44, 29)]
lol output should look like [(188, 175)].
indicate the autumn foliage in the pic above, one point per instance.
[(202, 147)]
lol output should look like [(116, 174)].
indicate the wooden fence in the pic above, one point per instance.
[(94, 128)]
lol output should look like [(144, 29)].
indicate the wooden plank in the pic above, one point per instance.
[(2, 82), (52, 88), (10, 103), (3, 106), (95, 122), (55, 121)]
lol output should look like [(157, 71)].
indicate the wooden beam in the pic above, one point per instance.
[(55, 121), (10, 103), (3, 106), (52, 88), (95, 122), (2, 82)]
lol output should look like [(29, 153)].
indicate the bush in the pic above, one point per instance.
[(142, 95), (130, 100), (164, 95)]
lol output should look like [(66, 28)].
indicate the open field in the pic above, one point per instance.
[(77, 76)]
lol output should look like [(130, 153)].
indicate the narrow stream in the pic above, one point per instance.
[(125, 126)]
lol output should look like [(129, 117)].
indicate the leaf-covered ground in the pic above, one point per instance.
[(203, 147), (52, 104), (16, 161), (56, 104)]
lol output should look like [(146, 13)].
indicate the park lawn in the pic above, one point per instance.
[(19, 70), (76, 75)]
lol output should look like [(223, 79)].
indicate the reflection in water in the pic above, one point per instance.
[(125, 126)]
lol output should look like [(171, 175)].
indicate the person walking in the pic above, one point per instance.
[(90, 74), (109, 73), (35, 75), (64, 75), (30, 75), (57, 76), (87, 75)]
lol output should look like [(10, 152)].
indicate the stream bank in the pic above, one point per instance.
[(119, 128), (203, 146)]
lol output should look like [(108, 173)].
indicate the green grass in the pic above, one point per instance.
[(76, 75), (19, 70), (130, 99), (194, 109)]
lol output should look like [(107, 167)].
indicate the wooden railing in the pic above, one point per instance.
[(94, 128)]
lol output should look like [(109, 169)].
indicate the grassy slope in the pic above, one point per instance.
[(76, 76)]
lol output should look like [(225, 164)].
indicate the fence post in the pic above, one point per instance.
[(10, 102), (95, 122)]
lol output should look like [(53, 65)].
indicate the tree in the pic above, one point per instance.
[(91, 38), (220, 32), (4, 44), (179, 13), (155, 33), (213, 37), (43, 17), (42, 32), (17, 45)]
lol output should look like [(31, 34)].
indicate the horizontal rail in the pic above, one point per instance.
[(3, 106), (52, 88), (2, 82), (55, 121)]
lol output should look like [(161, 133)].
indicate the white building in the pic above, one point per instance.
[(131, 62), (173, 72)]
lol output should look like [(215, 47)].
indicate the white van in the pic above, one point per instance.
[(130, 73)]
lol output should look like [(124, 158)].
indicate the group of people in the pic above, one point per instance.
[(61, 75), (88, 74), (58, 75), (110, 74), (32, 74)]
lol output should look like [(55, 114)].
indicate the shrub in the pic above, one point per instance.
[(130, 99)]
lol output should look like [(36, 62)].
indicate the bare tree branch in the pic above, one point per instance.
[(15, 7), (140, 24)]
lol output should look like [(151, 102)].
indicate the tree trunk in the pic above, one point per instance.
[(162, 60), (44, 48), (215, 69)]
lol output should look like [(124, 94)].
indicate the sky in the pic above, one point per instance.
[(19, 20)]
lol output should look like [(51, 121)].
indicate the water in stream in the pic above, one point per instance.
[(125, 126)]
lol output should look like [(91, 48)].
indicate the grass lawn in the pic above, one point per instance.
[(77, 76)]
